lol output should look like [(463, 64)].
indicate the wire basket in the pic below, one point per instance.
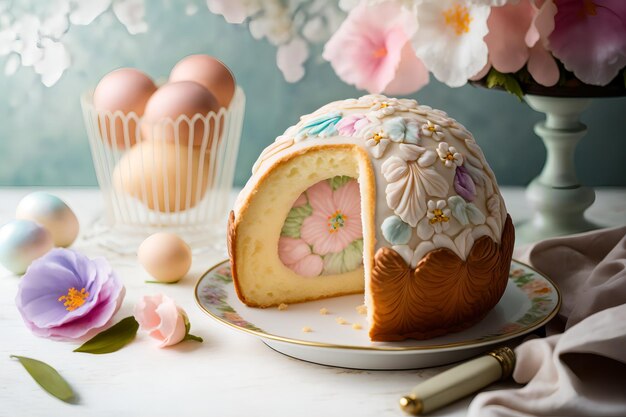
[(174, 174)]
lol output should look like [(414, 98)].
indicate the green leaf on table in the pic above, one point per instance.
[(112, 339), (506, 81), (47, 377)]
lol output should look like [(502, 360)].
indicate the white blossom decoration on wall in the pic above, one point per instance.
[(35, 38)]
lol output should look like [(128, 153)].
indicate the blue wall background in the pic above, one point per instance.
[(43, 140)]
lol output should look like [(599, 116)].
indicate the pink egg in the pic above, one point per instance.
[(173, 100), (209, 72), (126, 90)]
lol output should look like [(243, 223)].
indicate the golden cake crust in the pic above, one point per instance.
[(443, 294)]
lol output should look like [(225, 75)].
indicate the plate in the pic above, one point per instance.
[(339, 337)]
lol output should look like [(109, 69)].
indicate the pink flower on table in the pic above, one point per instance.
[(518, 34), (165, 321), (336, 218), (297, 256), (371, 50), (589, 38)]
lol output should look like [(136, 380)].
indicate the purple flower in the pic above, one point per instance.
[(463, 184), (64, 294)]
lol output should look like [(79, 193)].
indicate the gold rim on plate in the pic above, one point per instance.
[(446, 346)]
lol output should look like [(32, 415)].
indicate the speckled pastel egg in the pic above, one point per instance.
[(52, 213), (165, 256), (124, 90), (21, 242), (209, 72), (173, 100)]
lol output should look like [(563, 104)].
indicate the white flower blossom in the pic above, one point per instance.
[(449, 155), (437, 219), (433, 131)]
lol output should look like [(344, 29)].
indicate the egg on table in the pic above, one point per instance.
[(173, 100), (209, 72), (152, 171), (124, 90), (52, 213), (21, 242), (165, 256)]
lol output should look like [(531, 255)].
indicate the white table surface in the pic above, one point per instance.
[(230, 374)]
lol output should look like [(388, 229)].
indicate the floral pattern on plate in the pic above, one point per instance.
[(542, 302), (213, 293)]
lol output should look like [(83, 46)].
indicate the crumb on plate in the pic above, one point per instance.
[(323, 311), (283, 306), (306, 329), (356, 326), (362, 310), (341, 320)]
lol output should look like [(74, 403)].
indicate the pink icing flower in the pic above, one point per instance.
[(371, 50), (336, 218), (589, 37), (349, 125), (163, 319), (518, 35), (297, 256)]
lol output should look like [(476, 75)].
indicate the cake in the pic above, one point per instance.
[(377, 195)]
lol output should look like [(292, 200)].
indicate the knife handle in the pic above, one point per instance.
[(458, 382)]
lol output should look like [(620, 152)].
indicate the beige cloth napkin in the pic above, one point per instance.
[(580, 369)]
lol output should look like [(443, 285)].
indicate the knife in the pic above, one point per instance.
[(458, 382)]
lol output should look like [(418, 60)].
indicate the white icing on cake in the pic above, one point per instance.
[(434, 188)]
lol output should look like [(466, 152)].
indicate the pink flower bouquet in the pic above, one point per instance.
[(391, 46)]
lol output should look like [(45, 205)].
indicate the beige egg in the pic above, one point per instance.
[(165, 256), (126, 90), (208, 71), (153, 171), (173, 100)]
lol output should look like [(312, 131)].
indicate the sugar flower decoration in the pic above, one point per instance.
[(449, 38), (465, 212), (402, 130), (377, 140), (410, 176), (163, 320), (321, 126), (449, 155), (64, 294), (371, 50), (296, 255), (395, 231), (431, 130), (352, 124), (518, 35), (589, 37), (464, 184), (437, 219), (336, 218)]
